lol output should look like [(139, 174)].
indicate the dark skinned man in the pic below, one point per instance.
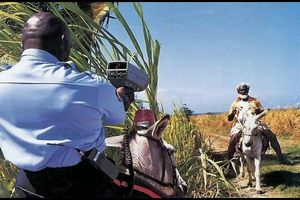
[(52, 114)]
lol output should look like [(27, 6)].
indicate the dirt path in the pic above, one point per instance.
[(219, 142), (275, 178)]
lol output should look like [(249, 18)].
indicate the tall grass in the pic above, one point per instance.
[(212, 124), (282, 122), (204, 176), (8, 173)]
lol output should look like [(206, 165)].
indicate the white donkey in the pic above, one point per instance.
[(252, 147)]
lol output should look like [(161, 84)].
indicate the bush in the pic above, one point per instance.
[(204, 176)]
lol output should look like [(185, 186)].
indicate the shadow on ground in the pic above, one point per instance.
[(274, 178), (286, 178), (218, 155), (271, 157)]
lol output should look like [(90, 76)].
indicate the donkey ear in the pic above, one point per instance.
[(258, 117), (114, 141), (159, 127)]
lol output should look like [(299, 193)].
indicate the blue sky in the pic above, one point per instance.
[(208, 48)]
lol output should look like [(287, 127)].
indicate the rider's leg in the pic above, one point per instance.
[(231, 148), (275, 145), (234, 133)]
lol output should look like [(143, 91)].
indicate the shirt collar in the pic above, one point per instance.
[(40, 54)]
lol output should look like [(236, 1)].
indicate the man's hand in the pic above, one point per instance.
[(127, 95), (231, 115)]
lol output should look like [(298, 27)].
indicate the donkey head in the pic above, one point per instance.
[(153, 159), (152, 156), (251, 125)]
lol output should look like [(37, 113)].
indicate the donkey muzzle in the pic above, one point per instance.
[(248, 143)]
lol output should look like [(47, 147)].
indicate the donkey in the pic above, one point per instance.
[(152, 162), (252, 144)]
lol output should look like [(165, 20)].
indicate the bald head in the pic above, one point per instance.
[(47, 32)]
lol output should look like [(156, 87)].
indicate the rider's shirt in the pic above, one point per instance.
[(48, 109), (253, 105)]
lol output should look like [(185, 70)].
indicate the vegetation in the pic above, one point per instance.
[(8, 173), (188, 112), (283, 122), (93, 45), (204, 176), (278, 180)]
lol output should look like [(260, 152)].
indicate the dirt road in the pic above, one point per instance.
[(219, 142), (277, 180)]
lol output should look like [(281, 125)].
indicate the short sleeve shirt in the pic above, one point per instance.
[(48, 109)]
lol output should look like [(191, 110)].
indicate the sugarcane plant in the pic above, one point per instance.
[(204, 176), (93, 45)]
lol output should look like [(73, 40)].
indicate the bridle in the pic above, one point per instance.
[(242, 132), (163, 153), (142, 177), (251, 134)]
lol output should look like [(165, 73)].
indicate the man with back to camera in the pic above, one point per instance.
[(245, 101), (51, 113)]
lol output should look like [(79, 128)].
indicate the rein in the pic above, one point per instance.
[(137, 175), (248, 134), (128, 161), (161, 145)]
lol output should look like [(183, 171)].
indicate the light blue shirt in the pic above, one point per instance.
[(47, 110)]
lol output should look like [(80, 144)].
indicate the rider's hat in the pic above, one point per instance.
[(144, 118)]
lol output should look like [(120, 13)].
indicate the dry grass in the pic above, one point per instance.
[(212, 123), (204, 177), (283, 122)]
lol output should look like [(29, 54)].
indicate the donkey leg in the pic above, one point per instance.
[(242, 166), (250, 171), (257, 175)]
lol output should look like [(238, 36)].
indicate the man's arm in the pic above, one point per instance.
[(127, 95), (259, 108), (113, 103), (232, 111)]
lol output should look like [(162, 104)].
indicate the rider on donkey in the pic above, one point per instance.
[(52, 116), (244, 101)]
